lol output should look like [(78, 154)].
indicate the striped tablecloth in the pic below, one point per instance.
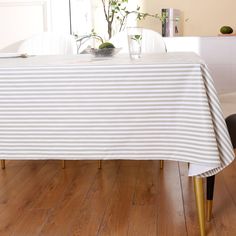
[(161, 107)]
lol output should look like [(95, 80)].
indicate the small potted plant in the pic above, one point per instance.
[(116, 14)]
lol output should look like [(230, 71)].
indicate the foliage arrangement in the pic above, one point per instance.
[(116, 11), (116, 14), (82, 39)]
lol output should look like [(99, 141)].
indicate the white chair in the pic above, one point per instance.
[(152, 41), (49, 43)]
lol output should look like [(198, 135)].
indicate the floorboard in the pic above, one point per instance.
[(133, 198)]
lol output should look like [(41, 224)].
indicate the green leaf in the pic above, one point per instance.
[(117, 10)]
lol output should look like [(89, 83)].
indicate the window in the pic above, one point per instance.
[(81, 17)]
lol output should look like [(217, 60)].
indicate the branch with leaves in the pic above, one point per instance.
[(80, 40), (117, 10)]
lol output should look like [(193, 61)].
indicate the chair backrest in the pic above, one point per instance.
[(49, 43), (231, 125), (152, 41)]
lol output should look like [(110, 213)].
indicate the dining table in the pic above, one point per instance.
[(162, 106)]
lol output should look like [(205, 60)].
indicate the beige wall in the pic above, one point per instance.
[(20, 19), (205, 17)]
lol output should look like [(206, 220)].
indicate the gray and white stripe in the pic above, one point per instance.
[(167, 111)]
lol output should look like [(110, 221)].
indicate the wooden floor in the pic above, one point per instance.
[(124, 198)]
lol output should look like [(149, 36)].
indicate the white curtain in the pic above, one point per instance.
[(81, 17)]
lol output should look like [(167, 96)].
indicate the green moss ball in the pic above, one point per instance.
[(106, 45), (226, 30)]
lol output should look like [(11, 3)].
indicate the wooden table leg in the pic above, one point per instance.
[(3, 164), (99, 164), (199, 193), (161, 164), (63, 164)]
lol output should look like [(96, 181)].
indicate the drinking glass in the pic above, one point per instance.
[(134, 42)]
